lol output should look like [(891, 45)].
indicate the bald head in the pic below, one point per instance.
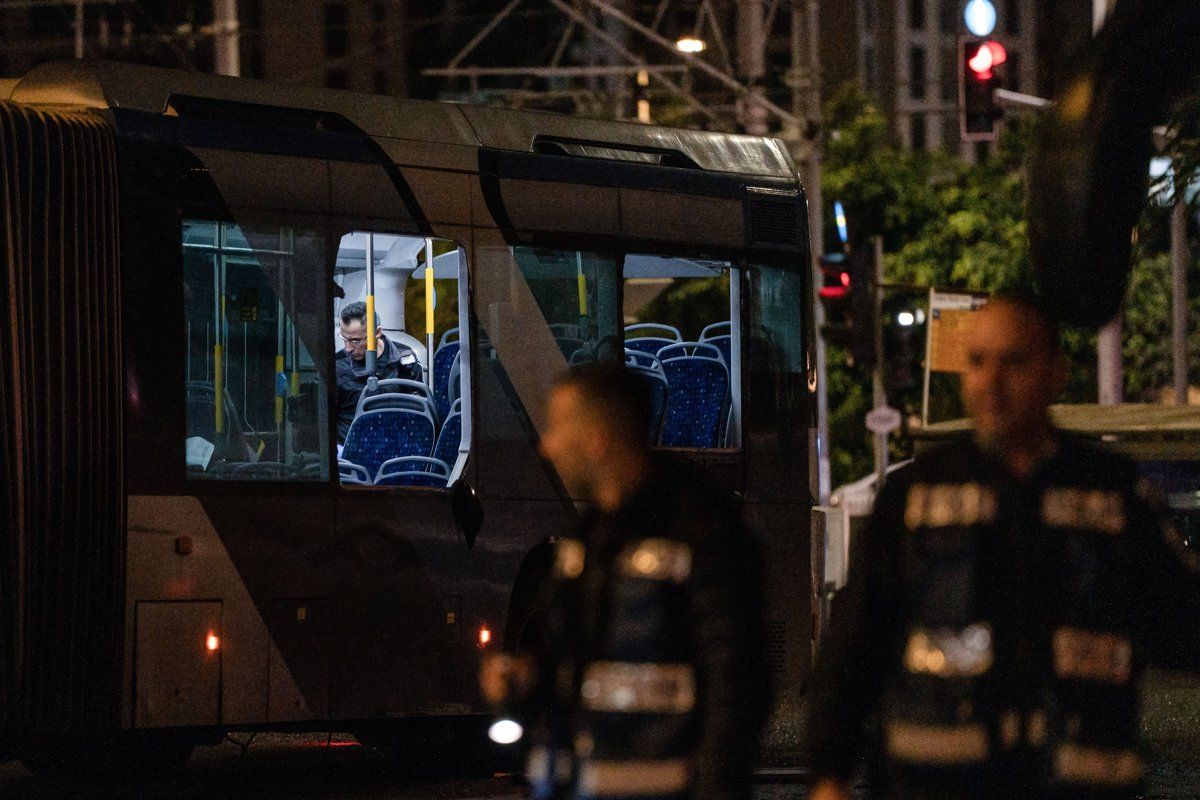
[(1015, 370)]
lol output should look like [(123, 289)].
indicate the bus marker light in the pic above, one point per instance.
[(212, 642)]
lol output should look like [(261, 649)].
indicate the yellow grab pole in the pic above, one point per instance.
[(219, 386), (429, 310), (278, 397), (369, 322)]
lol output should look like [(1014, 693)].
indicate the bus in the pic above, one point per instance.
[(207, 529)]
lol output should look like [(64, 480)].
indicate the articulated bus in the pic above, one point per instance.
[(193, 545)]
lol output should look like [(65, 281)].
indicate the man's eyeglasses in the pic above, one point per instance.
[(353, 341)]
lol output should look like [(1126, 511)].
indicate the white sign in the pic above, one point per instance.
[(883, 419)]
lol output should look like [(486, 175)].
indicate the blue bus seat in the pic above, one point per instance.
[(701, 349), (648, 344), (725, 344), (376, 436), (638, 358), (655, 382), (699, 389), (449, 438), (443, 360), (394, 400), (568, 345), (413, 471), (350, 472), (723, 328), (654, 330)]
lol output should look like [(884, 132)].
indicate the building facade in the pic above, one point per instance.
[(909, 53)]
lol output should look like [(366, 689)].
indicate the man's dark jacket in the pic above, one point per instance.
[(996, 628), (397, 362), (656, 681)]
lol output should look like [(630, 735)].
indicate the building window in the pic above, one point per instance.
[(870, 70), (949, 89), (916, 14), (1012, 17), (1013, 78), (868, 14), (951, 135), (337, 79), (948, 15), (917, 131), (916, 73), (337, 30)]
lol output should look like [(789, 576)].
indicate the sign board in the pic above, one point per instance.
[(945, 343), (949, 315), (883, 419)]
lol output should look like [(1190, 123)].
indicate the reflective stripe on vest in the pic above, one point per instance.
[(628, 778), (950, 654), (638, 688), (937, 744), (1090, 656), (1086, 509), (941, 505), (1097, 766), (656, 559)]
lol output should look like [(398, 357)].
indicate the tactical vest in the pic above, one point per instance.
[(631, 700), (1019, 663)]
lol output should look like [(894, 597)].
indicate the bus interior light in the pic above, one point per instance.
[(485, 636), (212, 642)]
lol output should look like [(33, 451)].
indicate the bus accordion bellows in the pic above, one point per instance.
[(275, 362)]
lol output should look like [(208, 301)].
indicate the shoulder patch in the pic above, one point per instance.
[(569, 557)]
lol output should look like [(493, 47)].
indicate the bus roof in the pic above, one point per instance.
[(105, 85)]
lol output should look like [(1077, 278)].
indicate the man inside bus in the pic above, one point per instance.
[(1003, 601), (653, 681), (393, 361)]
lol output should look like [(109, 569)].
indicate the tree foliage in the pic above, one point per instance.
[(949, 224)]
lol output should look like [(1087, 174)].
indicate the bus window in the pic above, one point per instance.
[(683, 335), (256, 399), (403, 381), (576, 293)]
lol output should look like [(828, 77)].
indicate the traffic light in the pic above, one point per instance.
[(980, 74), (847, 294)]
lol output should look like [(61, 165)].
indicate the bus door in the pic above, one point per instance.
[(403, 411)]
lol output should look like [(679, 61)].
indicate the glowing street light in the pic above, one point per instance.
[(690, 44), (980, 16)]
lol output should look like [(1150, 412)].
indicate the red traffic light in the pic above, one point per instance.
[(836, 285), (987, 56)]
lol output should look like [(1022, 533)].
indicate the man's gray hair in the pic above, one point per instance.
[(356, 312)]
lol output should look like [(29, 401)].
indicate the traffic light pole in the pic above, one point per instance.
[(1109, 375), (877, 390)]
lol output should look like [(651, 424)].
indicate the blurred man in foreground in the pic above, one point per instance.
[(1004, 600), (654, 683)]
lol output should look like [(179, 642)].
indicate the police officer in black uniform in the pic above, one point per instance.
[(655, 680), (393, 361), (1004, 600)]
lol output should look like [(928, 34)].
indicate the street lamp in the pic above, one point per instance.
[(980, 16), (690, 44)]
